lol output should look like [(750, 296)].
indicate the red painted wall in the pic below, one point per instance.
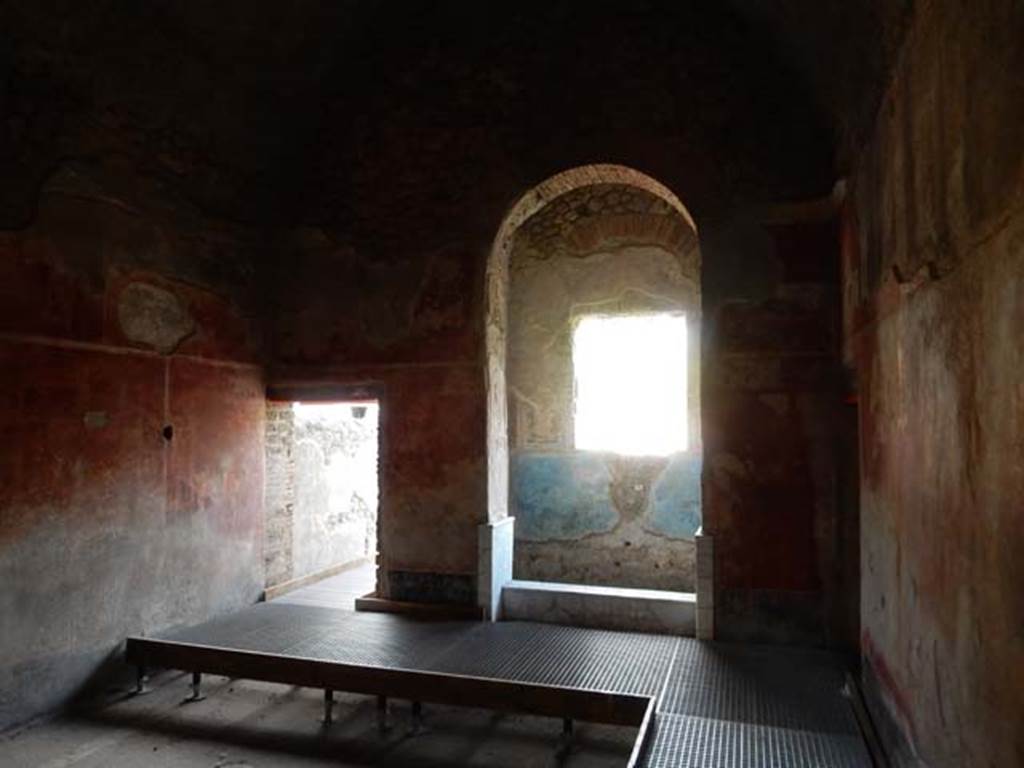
[(108, 528), (770, 398), (405, 325), (934, 317)]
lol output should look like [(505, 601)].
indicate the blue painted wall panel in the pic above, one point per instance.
[(567, 496), (674, 509), (561, 496)]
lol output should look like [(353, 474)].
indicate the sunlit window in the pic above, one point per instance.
[(631, 384)]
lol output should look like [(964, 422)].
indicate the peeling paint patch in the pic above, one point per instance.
[(153, 316), (95, 419)]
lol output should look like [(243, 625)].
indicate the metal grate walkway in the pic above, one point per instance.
[(717, 704)]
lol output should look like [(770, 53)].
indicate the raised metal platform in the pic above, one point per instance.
[(693, 703)]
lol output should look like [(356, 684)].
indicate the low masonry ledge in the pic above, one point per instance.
[(620, 608), (590, 589)]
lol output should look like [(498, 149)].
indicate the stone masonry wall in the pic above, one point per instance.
[(335, 520), (321, 488), (279, 499)]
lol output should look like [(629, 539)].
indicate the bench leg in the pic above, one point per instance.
[(197, 688), (417, 716), (328, 706), (141, 681), (565, 742)]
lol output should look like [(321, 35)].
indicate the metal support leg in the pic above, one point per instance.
[(382, 713), (565, 742), (197, 688), (141, 681), (328, 706), (417, 716)]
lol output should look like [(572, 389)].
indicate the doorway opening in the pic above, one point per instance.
[(322, 500)]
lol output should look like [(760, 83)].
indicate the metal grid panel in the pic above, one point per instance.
[(329, 634), (622, 662), (385, 641), (539, 653), (267, 627), (682, 741), (490, 652), (780, 687), (720, 704)]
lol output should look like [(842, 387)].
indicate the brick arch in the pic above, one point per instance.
[(574, 178), (496, 300)]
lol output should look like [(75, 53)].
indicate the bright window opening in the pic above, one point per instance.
[(631, 384)]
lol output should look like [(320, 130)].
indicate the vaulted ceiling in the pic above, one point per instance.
[(343, 114)]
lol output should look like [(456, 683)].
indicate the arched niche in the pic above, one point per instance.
[(680, 233)]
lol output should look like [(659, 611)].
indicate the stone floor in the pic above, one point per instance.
[(338, 591), (258, 725), (245, 724)]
